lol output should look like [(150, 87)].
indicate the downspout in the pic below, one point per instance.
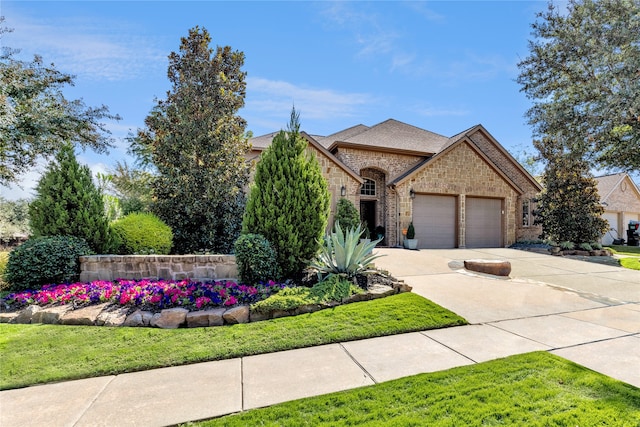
[(397, 219)]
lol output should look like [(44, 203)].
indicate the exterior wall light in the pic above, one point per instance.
[(412, 194), (343, 191)]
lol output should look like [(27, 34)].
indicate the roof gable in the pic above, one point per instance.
[(608, 184)]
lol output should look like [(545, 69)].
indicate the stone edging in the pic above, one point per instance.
[(109, 314)]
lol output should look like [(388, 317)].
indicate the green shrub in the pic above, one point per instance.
[(256, 259), (411, 231), (286, 299), (347, 214), (142, 233), (567, 245), (44, 260), (344, 254), (4, 258), (596, 246), (334, 288), (585, 247)]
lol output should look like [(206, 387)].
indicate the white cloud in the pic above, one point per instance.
[(87, 47), (273, 98)]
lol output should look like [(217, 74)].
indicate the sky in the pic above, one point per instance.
[(443, 66)]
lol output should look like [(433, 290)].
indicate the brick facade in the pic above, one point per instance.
[(462, 172)]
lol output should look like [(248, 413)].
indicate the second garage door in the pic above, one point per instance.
[(434, 218), (483, 223)]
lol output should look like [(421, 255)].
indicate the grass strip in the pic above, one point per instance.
[(625, 250), (34, 354), (534, 389), (630, 263)]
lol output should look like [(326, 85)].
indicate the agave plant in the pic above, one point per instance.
[(343, 254)]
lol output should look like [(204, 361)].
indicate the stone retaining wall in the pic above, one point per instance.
[(169, 267)]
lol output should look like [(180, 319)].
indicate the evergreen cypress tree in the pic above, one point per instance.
[(289, 200), (68, 203)]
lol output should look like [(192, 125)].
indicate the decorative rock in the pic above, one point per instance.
[(27, 314), (211, 317), (380, 291), (50, 315), (256, 316), (402, 287), (138, 318), (308, 308), (8, 317), (113, 317), (239, 314), (489, 266), (276, 314), (84, 316), (171, 318)]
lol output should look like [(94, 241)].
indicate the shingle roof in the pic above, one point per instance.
[(343, 135), (608, 183), (396, 135)]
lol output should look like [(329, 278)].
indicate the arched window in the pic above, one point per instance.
[(368, 188)]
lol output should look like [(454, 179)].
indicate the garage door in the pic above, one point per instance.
[(434, 218), (483, 223), (612, 218)]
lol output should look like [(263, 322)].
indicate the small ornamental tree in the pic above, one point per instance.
[(68, 203), (289, 200), (569, 207), (347, 215)]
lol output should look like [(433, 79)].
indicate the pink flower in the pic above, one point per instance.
[(231, 301), (202, 301)]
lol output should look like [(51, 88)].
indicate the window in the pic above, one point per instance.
[(526, 213), (368, 188)]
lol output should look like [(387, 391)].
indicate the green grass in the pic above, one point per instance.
[(33, 354), (626, 250), (630, 263), (535, 389)]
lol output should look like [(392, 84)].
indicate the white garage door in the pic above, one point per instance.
[(614, 229), (483, 223), (434, 218)]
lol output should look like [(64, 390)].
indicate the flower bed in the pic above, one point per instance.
[(151, 295)]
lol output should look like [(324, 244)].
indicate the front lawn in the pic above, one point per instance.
[(626, 250), (631, 262), (33, 354), (535, 389)]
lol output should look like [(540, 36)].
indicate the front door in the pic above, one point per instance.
[(368, 214)]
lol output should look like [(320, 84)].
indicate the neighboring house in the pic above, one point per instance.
[(463, 191), (620, 197)]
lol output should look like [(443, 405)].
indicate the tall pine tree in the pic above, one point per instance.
[(68, 203), (197, 143), (289, 200)]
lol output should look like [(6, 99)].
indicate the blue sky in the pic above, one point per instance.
[(443, 66)]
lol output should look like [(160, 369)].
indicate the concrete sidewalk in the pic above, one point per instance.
[(596, 325)]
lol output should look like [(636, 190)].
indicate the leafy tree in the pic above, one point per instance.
[(289, 200), (14, 219), (197, 143), (582, 73), (131, 186), (35, 117), (569, 207), (68, 203)]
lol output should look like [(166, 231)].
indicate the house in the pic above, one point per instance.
[(460, 191), (620, 197)]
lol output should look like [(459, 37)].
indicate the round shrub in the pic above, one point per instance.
[(45, 260), (256, 259), (142, 233)]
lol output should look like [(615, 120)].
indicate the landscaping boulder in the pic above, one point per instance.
[(257, 316), (8, 317), (50, 315), (26, 315), (204, 318), (489, 266), (239, 314), (138, 318), (112, 317), (171, 318), (84, 316)]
